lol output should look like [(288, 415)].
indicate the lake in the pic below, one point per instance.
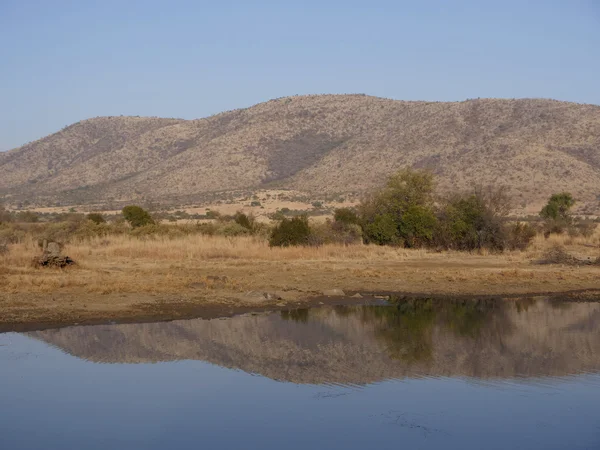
[(419, 374)]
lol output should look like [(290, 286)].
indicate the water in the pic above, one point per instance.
[(427, 374)]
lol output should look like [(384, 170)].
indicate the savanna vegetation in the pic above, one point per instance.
[(401, 237), (404, 213)]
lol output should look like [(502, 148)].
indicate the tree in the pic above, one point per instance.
[(556, 213), (402, 211), (558, 207), (137, 216), (417, 226)]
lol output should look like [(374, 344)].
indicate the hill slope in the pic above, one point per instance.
[(319, 144)]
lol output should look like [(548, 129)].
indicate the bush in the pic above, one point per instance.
[(584, 228), (96, 218), (346, 216), (246, 221), (27, 217), (401, 213), (12, 234), (335, 233), (137, 216), (466, 223), (294, 231), (520, 235), (5, 216), (417, 226), (232, 229), (383, 230)]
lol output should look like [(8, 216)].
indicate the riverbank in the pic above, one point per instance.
[(129, 279)]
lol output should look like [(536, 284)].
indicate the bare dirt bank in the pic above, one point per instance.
[(125, 279)]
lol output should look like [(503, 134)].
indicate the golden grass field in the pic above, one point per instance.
[(123, 277)]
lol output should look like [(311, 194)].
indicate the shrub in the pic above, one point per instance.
[(232, 229), (255, 203), (401, 212), (5, 216), (466, 223), (383, 230), (583, 228), (317, 204), (96, 218), (520, 235), (335, 233), (294, 231), (244, 220), (417, 226), (27, 217), (137, 216)]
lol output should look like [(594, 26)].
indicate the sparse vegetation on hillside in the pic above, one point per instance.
[(332, 145)]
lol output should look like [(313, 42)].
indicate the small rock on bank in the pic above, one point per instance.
[(259, 297), (334, 293)]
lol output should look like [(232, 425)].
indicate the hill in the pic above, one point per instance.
[(322, 145)]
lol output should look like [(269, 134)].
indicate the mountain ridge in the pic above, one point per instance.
[(319, 144)]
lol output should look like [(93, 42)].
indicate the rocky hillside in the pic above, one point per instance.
[(357, 345), (317, 144)]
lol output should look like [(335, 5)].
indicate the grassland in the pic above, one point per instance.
[(130, 278)]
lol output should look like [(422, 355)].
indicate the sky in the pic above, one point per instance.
[(62, 61)]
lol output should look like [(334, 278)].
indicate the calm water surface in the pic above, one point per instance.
[(424, 374)]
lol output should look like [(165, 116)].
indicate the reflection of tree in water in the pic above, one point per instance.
[(468, 318), (407, 327), (296, 315), (523, 304)]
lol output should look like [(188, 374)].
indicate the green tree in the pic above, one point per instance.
[(137, 216), (417, 226), (558, 207), (405, 204), (383, 230)]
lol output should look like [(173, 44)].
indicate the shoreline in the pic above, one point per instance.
[(164, 310), (123, 278)]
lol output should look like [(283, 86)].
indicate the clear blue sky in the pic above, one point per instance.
[(62, 61)]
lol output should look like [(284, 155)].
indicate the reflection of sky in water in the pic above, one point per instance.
[(54, 400)]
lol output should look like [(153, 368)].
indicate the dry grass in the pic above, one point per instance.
[(123, 275)]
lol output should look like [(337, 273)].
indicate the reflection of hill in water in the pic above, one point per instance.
[(485, 339)]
